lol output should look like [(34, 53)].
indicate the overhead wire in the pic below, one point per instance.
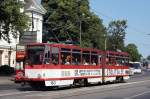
[(129, 26)]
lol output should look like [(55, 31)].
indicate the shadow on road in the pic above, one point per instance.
[(29, 88)]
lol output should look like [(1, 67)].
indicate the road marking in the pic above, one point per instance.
[(69, 92), (137, 95), (74, 91), (119, 84), (16, 93)]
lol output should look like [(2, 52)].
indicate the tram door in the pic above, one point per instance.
[(102, 62)]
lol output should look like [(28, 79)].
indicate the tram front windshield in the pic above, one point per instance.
[(35, 54)]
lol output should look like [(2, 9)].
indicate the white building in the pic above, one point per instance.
[(35, 12)]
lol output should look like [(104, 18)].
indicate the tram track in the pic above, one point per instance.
[(69, 92), (87, 90)]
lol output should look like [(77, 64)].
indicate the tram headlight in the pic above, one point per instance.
[(20, 75)]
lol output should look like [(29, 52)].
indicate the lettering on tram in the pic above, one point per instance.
[(87, 72), (65, 73)]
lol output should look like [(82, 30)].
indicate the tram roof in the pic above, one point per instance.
[(67, 46), (117, 53)]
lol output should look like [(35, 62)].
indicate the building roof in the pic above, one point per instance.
[(33, 5)]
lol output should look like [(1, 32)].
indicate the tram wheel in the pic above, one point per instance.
[(83, 82), (120, 79), (80, 82), (37, 85)]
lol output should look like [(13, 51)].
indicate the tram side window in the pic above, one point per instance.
[(100, 59), (122, 61), (111, 60), (66, 56), (47, 55), (47, 58), (76, 57), (86, 57), (126, 61), (94, 58), (118, 61), (108, 60), (55, 55), (35, 55)]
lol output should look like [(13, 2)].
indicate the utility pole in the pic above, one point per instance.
[(105, 42), (32, 21), (32, 34), (80, 32), (80, 21), (9, 56)]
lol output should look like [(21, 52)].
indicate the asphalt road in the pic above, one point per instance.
[(138, 87)]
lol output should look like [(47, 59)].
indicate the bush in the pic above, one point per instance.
[(6, 70)]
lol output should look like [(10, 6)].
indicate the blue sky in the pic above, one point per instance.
[(137, 14)]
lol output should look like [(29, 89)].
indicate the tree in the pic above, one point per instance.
[(133, 52), (64, 18), (116, 34), (12, 20), (148, 57)]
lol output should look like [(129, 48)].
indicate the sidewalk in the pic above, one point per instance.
[(6, 80)]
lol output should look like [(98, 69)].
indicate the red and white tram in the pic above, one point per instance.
[(19, 69), (60, 64)]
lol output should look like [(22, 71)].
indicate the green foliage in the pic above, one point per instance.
[(63, 18), (116, 34), (133, 52), (11, 20), (6, 70), (148, 57)]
